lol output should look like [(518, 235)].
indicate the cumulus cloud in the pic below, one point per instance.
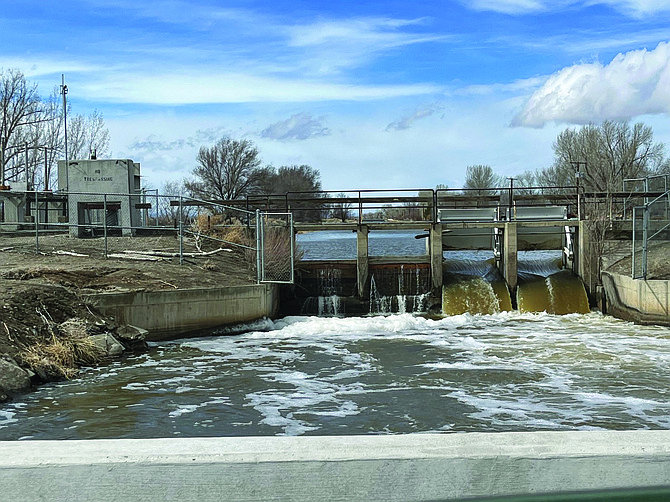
[(408, 120), (634, 83), (300, 126)]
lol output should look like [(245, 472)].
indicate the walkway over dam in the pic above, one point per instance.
[(505, 221)]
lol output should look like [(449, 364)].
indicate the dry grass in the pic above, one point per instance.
[(60, 357)]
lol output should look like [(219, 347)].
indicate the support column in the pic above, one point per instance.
[(362, 259), (435, 251), (586, 262), (510, 255)]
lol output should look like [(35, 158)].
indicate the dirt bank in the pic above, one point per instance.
[(42, 315)]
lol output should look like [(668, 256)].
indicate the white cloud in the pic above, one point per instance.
[(300, 126), (514, 87), (332, 45), (419, 113), (205, 87), (634, 8), (632, 84), (508, 6)]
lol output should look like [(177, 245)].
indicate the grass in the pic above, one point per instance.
[(63, 353)]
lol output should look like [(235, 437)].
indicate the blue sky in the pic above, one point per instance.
[(373, 94)]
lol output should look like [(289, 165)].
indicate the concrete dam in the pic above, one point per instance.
[(473, 261)]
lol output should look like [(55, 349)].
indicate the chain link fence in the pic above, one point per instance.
[(147, 226), (276, 251), (651, 225)]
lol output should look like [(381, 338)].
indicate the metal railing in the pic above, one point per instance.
[(650, 223)]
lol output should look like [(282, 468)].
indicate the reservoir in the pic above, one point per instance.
[(371, 374)]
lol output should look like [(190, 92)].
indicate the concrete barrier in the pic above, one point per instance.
[(643, 301), (369, 468), (169, 314)]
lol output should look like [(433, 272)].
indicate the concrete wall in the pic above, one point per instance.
[(171, 313), (637, 300), (366, 468), (98, 176)]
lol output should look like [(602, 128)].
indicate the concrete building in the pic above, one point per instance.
[(85, 181)]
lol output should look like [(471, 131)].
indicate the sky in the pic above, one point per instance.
[(374, 94)]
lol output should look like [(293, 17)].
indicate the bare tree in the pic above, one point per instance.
[(19, 103), (605, 154), (87, 136), (341, 210), (227, 170), (480, 177)]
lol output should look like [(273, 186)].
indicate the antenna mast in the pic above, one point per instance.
[(63, 91)]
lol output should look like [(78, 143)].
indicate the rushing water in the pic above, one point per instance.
[(384, 374), (369, 375)]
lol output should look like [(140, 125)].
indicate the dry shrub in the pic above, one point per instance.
[(277, 253), (60, 357), (237, 234)]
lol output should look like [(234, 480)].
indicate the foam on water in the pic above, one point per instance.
[(376, 374)]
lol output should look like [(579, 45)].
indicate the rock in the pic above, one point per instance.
[(12, 378), (132, 337), (108, 344)]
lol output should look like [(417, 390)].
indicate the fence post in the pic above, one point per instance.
[(37, 232), (645, 237), (258, 246), (292, 237), (104, 223), (181, 231)]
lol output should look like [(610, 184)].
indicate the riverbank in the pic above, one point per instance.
[(48, 328)]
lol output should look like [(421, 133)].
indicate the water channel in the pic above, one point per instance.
[(376, 374)]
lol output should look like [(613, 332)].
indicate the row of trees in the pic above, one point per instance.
[(599, 157), (32, 131)]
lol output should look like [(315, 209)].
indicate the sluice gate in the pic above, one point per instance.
[(433, 284), (503, 228)]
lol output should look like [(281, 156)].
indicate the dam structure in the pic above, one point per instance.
[(496, 222)]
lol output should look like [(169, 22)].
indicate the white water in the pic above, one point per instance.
[(377, 374)]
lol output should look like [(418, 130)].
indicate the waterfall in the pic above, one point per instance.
[(558, 293)]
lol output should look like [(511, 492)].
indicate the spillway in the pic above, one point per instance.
[(476, 287)]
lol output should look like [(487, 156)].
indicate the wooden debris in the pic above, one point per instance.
[(167, 254), (136, 256), (70, 253)]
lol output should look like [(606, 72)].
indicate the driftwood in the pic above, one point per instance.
[(166, 254), (136, 256), (70, 253), (7, 249)]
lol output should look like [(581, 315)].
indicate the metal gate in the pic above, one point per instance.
[(276, 247)]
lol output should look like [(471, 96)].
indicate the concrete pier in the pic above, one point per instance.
[(366, 468), (362, 262), (510, 256), (435, 248)]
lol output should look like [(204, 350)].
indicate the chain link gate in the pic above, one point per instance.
[(276, 247)]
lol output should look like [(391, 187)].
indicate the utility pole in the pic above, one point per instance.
[(63, 91), (578, 176), (2, 162), (25, 155), (511, 198)]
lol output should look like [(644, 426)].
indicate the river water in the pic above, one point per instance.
[(378, 374)]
